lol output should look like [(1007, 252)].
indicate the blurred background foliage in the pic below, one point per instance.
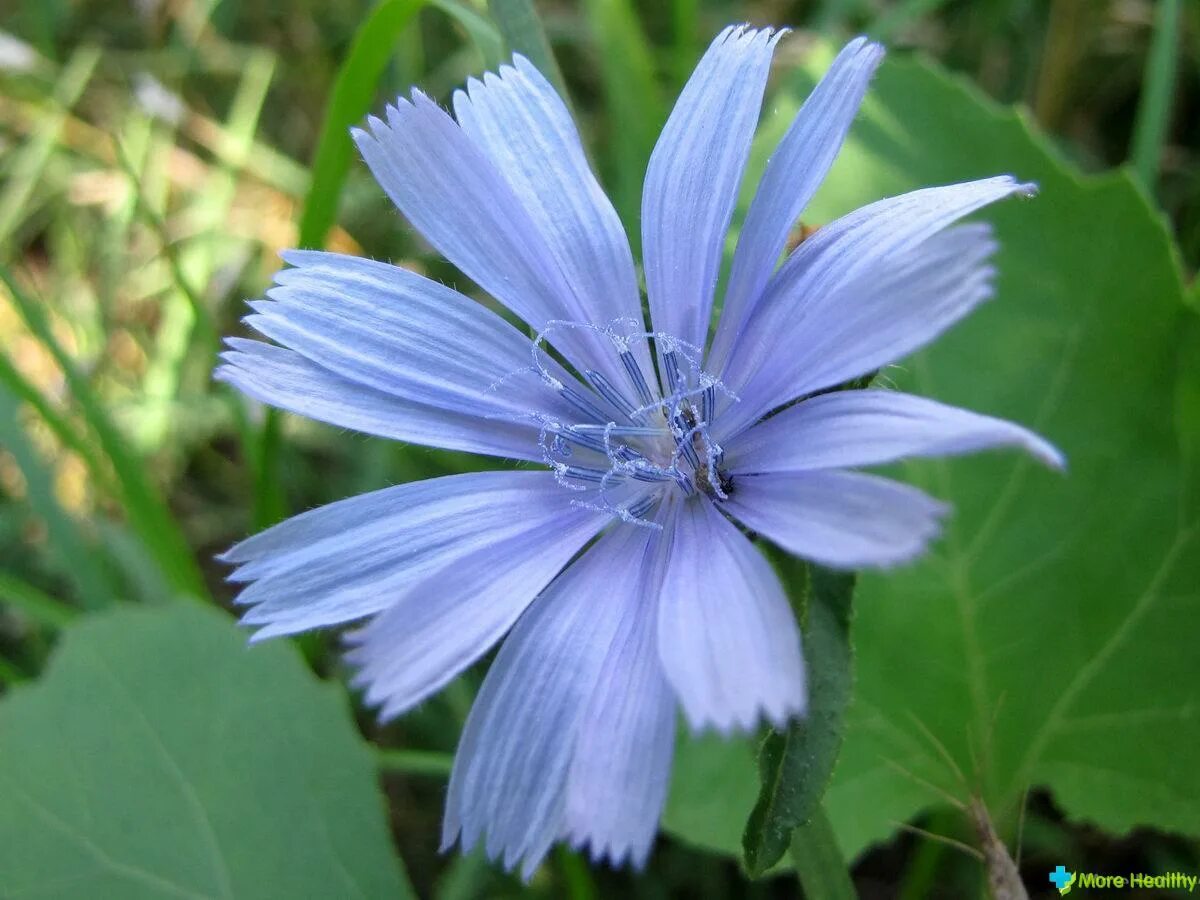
[(156, 155)]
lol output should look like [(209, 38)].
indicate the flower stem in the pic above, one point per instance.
[(819, 861), (414, 762)]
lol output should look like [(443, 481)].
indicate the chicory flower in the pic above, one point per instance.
[(612, 566)]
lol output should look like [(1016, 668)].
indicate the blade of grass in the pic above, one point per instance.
[(270, 504), (255, 157), (113, 237), (465, 877), (685, 28), (16, 383), (186, 341), (575, 875), (31, 158), (143, 579), (921, 870), (1158, 91), (34, 602), (407, 61), (1061, 52), (636, 110), (206, 330), (147, 512), (523, 32), (902, 15), (71, 554), (10, 674), (483, 34), (833, 15), (285, 177), (353, 91)]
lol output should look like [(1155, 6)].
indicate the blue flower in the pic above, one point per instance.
[(613, 564)]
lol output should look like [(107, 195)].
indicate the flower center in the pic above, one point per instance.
[(636, 439)]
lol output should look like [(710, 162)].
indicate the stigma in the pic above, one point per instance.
[(635, 437)]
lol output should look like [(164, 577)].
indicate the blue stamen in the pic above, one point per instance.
[(684, 483), (688, 452), (559, 446), (605, 389), (643, 506), (634, 449), (579, 473), (671, 369), (651, 475), (708, 401), (636, 376), (572, 435), (619, 430), (582, 403)]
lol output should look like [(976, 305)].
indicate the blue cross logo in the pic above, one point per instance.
[(1062, 879)]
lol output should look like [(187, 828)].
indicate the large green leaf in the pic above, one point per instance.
[(714, 787), (161, 757), (1049, 639)]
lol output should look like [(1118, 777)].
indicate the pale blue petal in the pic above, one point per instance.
[(792, 175), (809, 287), (526, 130), (726, 634), (846, 520), (356, 557), (693, 176), (846, 429), (395, 331), (437, 626), (283, 378), (451, 192), (842, 329), (513, 766), (619, 776)]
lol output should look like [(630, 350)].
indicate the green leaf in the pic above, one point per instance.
[(523, 32), (795, 765), (161, 757), (1040, 644), (1044, 641), (353, 93), (714, 787), (1187, 396)]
